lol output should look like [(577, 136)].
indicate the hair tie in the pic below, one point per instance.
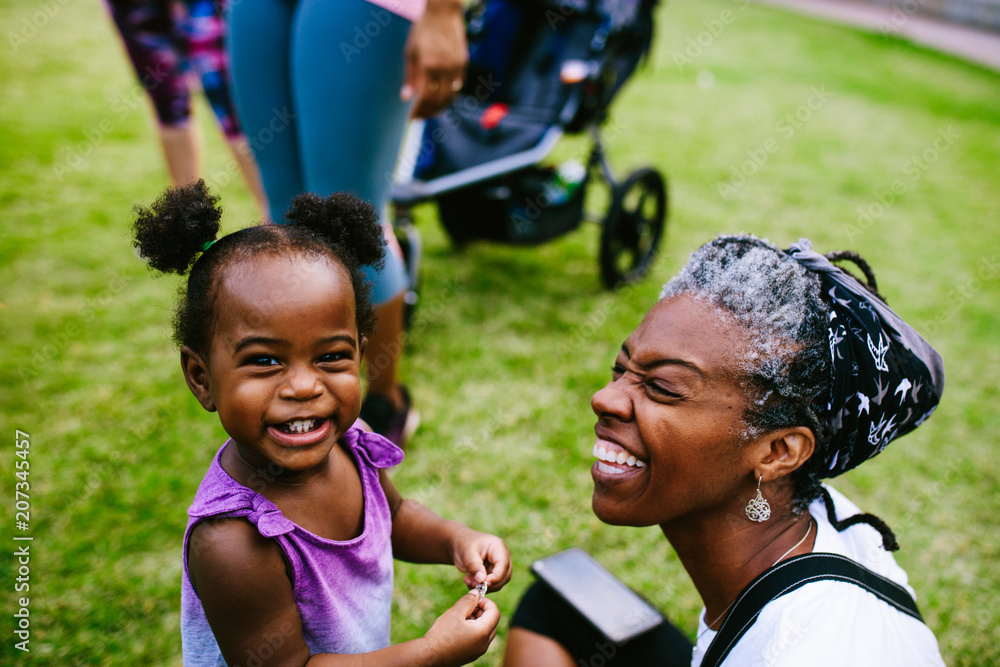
[(885, 379), (208, 244)]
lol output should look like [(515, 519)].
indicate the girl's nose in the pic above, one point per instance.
[(612, 401), (301, 385)]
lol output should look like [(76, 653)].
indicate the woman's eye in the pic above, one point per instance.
[(661, 391), (617, 371)]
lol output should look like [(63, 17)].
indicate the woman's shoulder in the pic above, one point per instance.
[(835, 623)]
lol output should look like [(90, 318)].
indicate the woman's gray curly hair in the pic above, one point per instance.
[(785, 367)]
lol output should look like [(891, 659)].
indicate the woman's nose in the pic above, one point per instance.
[(612, 400)]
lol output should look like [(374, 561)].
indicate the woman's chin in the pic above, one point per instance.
[(613, 513)]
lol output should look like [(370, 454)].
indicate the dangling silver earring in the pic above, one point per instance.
[(758, 509)]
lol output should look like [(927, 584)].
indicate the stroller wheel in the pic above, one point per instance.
[(633, 227)]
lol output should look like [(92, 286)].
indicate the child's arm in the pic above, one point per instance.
[(421, 536), (242, 580)]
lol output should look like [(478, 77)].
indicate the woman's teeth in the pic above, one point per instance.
[(299, 426), (620, 457)]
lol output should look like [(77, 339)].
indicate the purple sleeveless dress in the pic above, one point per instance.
[(343, 589)]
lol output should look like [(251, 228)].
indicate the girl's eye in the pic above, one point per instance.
[(336, 356), (262, 360)]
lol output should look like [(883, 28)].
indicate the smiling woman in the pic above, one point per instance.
[(671, 384), (757, 374)]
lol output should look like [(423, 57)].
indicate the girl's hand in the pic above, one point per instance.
[(464, 632), (436, 55), (481, 557)]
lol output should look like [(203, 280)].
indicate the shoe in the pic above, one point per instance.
[(385, 419)]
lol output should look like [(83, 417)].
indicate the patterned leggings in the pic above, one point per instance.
[(168, 40)]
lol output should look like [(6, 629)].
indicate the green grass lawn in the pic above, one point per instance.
[(770, 123)]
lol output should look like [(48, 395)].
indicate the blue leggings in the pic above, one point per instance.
[(316, 84)]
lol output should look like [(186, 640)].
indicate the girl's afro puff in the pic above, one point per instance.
[(344, 221), (184, 221), (178, 225)]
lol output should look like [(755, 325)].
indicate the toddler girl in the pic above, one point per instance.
[(290, 539)]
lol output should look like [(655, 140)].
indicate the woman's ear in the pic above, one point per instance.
[(785, 451), (196, 376)]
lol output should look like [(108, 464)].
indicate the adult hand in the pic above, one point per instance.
[(436, 56), (464, 632)]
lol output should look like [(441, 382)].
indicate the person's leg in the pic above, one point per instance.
[(181, 146), (347, 69), (546, 630), (525, 648), (259, 44), (239, 148), (384, 349), (203, 32), (148, 33)]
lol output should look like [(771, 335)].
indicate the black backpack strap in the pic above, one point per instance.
[(790, 575)]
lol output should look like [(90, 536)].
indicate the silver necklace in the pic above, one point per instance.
[(708, 626)]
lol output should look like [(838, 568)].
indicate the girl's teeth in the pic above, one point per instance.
[(301, 426)]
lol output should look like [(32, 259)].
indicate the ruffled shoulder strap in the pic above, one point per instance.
[(219, 495), (377, 450)]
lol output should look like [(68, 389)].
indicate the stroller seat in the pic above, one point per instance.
[(538, 69), (534, 67)]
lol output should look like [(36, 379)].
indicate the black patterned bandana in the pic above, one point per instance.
[(886, 379)]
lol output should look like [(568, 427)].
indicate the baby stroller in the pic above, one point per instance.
[(538, 69)]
